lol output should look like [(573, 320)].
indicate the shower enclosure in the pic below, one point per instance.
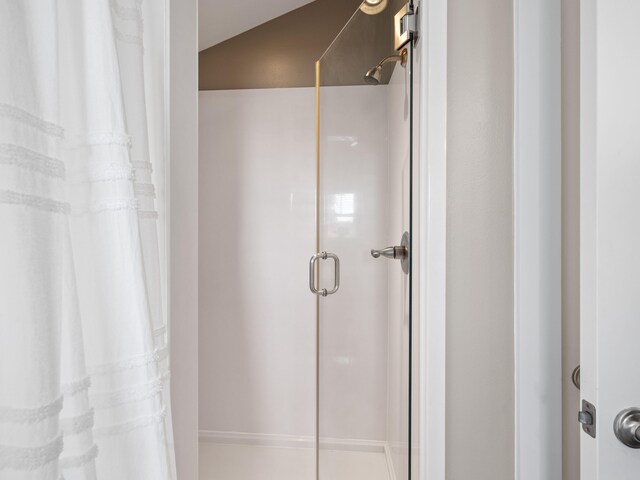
[(362, 272), (296, 385)]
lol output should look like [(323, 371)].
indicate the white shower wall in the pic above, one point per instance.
[(257, 232), (354, 219)]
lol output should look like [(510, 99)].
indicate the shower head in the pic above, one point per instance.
[(373, 75)]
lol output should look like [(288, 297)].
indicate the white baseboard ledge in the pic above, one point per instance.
[(290, 441), (302, 441)]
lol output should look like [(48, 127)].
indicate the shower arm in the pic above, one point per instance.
[(398, 57)]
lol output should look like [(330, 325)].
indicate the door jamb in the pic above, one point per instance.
[(537, 145), (432, 242)]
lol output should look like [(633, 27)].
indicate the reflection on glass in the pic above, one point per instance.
[(352, 141), (373, 7), (343, 206)]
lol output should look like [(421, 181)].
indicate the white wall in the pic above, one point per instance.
[(480, 346), (257, 232)]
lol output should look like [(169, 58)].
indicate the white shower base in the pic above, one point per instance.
[(251, 462)]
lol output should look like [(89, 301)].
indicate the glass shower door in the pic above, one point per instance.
[(363, 279)]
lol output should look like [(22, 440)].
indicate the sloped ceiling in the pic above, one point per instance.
[(280, 53), (219, 20)]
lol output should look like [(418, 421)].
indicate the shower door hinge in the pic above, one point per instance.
[(405, 26)]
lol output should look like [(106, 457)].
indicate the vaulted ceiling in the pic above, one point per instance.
[(220, 20)]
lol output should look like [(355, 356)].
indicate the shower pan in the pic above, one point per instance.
[(362, 269)]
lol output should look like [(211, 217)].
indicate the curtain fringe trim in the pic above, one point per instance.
[(126, 12), (144, 189), (22, 116), (115, 205), (30, 458), (127, 427), (138, 361), (40, 203), (107, 173), (148, 214), (77, 386), (130, 395), (160, 331), (101, 139), (142, 166), (79, 460), (75, 425), (31, 415), (127, 38), (21, 157)]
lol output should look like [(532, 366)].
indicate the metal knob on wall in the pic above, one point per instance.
[(400, 252)]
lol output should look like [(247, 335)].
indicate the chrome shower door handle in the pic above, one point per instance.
[(323, 292)]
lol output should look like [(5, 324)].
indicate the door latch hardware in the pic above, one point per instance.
[(587, 418)]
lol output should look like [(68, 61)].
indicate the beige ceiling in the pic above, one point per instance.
[(219, 20)]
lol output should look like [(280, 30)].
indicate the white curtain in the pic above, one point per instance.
[(83, 353)]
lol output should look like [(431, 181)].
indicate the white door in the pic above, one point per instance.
[(610, 233)]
